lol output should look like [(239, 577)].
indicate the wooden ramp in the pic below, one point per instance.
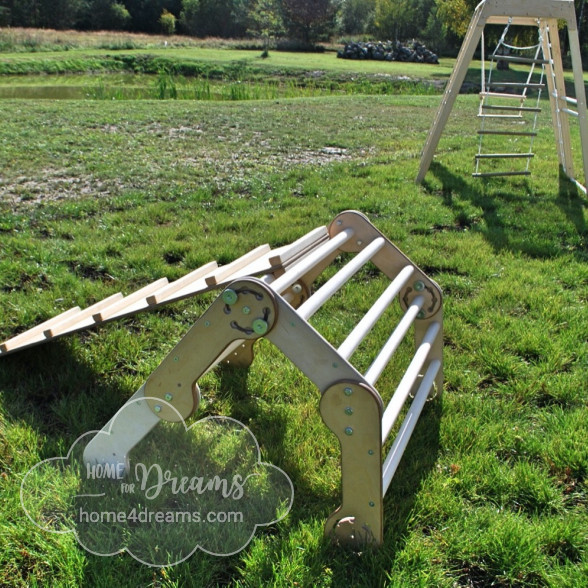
[(260, 261)]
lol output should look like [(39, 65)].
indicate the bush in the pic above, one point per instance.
[(167, 22)]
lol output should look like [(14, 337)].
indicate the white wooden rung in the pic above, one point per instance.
[(383, 357), (502, 95), (504, 155), (321, 296), (309, 261), (367, 323), (408, 425), (404, 387)]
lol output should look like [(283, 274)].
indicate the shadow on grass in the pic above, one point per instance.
[(61, 397), (513, 218)]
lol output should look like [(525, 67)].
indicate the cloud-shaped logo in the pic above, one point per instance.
[(201, 486)]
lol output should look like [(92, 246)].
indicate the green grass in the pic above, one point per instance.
[(103, 196)]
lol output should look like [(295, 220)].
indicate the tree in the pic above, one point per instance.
[(265, 21), (167, 22), (212, 18), (455, 15), (309, 20), (356, 17)]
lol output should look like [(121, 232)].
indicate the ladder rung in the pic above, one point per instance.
[(519, 133), (519, 108), (504, 155), (496, 174), (502, 95), (519, 116), (516, 85), (525, 60)]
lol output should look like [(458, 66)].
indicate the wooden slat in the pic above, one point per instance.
[(166, 293), (226, 271), (127, 301), (78, 320), (288, 253), (36, 332)]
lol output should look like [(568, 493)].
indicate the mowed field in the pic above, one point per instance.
[(99, 196)]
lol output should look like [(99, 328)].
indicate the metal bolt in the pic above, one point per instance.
[(157, 408), (260, 327), (419, 286), (348, 431), (348, 391), (359, 242), (348, 411), (207, 323), (230, 296), (246, 310), (372, 503), (421, 314), (370, 451), (297, 288), (168, 396), (339, 223)]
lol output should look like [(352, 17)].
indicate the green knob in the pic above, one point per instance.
[(230, 296), (260, 327)]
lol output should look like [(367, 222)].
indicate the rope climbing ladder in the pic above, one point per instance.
[(509, 110), (506, 114)]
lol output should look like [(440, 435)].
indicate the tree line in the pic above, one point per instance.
[(440, 24)]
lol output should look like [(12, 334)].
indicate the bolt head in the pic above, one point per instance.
[(246, 310), (260, 327), (230, 296), (348, 431), (348, 391), (348, 411), (169, 396), (419, 285), (157, 408)]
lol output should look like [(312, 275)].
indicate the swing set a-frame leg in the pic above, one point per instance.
[(466, 53)]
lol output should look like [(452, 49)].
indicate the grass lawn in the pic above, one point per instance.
[(101, 196)]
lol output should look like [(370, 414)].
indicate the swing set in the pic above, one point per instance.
[(505, 112)]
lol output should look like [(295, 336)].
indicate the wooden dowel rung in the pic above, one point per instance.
[(511, 116), (502, 95), (497, 174), (521, 60), (504, 155), (511, 133), (516, 85), (517, 108)]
